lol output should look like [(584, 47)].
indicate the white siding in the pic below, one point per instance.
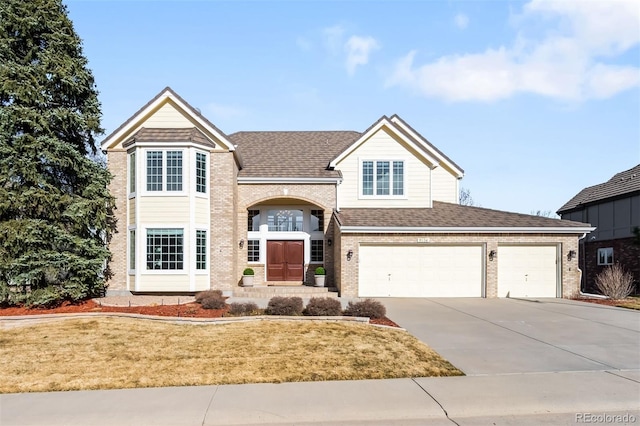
[(202, 211), (132, 211), (202, 282), (167, 116), (382, 146), (163, 210), (444, 185), (166, 282)]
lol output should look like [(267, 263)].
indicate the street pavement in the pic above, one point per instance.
[(527, 363)]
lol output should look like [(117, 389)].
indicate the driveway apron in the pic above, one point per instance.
[(504, 336)]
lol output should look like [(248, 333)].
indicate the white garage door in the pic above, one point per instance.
[(527, 271), (420, 271)]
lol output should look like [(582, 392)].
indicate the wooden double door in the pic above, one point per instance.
[(285, 260)]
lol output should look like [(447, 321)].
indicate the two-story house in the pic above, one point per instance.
[(613, 207), (378, 209)]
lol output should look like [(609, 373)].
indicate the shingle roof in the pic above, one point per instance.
[(447, 215), (190, 134), (290, 154), (620, 184)]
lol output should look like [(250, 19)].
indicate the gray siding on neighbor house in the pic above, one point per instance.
[(614, 219)]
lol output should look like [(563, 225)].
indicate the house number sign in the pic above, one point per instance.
[(424, 240)]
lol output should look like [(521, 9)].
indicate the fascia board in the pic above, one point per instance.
[(461, 230), (288, 180), (373, 130), (428, 148)]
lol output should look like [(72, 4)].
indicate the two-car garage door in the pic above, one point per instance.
[(420, 271), (455, 271)]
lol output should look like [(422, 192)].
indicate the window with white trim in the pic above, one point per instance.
[(132, 173), (253, 250), (605, 256), (317, 250), (317, 220), (382, 178), (132, 249), (165, 248), (253, 222), (201, 250), (201, 173), (164, 170)]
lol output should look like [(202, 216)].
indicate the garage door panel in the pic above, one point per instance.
[(527, 271), (420, 271)]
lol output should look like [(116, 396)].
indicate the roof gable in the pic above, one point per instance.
[(384, 123), (620, 184), (167, 98)]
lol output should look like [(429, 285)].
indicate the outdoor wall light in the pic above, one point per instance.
[(329, 242), (493, 254), (571, 254), (241, 243), (349, 254)]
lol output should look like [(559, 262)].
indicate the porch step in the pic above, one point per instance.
[(305, 292)]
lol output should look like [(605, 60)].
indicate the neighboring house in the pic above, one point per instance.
[(613, 207), (379, 209)]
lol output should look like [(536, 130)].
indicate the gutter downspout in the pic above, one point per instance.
[(584, 259)]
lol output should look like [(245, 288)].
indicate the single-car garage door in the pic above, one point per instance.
[(420, 271), (527, 271)]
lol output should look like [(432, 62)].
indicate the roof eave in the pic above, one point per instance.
[(464, 230), (247, 179)]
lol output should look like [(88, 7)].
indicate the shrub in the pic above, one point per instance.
[(366, 308), (247, 271), (207, 294), (614, 282), (243, 309), (323, 306), (284, 306), (320, 271), (213, 302)]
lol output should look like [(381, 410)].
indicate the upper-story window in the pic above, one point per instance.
[(253, 223), (317, 220), (605, 256), (164, 170), (284, 220), (201, 173), (383, 178), (132, 173)]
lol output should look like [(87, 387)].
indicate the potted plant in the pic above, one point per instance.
[(320, 276), (247, 277)]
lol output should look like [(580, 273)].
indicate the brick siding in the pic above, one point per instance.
[(625, 252)]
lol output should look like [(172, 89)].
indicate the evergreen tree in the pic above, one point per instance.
[(55, 208)]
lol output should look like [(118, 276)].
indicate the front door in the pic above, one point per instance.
[(285, 260)]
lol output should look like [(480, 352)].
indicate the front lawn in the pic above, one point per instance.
[(110, 353)]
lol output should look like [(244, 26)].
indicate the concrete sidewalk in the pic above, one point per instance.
[(522, 399)]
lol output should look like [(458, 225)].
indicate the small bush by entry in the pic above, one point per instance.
[(323, 306), (243, 309), (211, 299), (290, 306), (366, 308)]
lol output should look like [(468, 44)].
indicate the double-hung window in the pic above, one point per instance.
[(164, 170), (382, 178), (165, 249), (201, 173), (201, 249)]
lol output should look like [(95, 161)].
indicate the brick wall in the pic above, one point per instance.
[(249, 195), (624, 252), (117, 161)]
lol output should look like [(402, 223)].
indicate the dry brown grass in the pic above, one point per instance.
[(111, 353)]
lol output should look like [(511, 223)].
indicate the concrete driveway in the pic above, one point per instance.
[(504, 336)]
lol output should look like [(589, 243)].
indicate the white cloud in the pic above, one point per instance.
[(304, 44), (358, 50), (461, 20), (569, 61), (355, 51)]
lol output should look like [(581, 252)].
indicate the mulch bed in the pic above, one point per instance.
[(189, 310)]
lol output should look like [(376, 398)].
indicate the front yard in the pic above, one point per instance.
[(110, 353)]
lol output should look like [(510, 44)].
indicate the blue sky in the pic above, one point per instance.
[(534, 100)]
